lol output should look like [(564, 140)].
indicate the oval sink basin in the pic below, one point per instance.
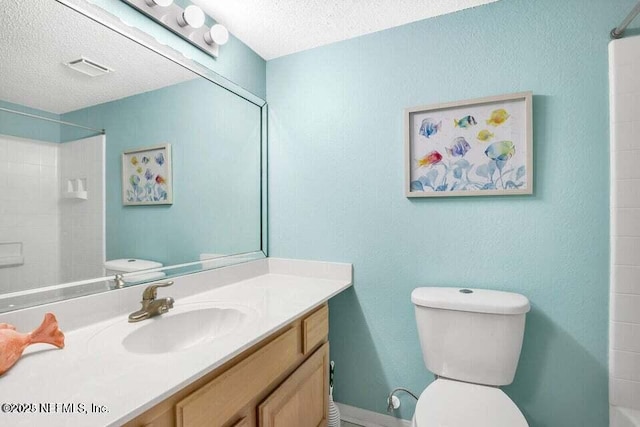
[(180, 329), (164, 334)]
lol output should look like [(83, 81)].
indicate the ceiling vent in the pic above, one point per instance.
[(88, 67)]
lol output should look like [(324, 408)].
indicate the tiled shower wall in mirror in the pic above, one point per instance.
[(29, 214), (45, 237)]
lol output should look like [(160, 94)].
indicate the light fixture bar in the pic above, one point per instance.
[(186, 23)]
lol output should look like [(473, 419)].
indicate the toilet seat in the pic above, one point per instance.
[(449, 403)]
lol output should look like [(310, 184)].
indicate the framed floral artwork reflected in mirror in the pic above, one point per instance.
[(146, 176)]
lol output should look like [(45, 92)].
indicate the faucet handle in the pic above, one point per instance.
[(150, 292)]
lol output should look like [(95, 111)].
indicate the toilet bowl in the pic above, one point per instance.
[(454, 403), (471, 340)]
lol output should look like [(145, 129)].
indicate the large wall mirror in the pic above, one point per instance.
[(116, 157)]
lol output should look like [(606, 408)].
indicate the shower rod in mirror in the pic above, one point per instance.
[(188, 23), (47, 119)]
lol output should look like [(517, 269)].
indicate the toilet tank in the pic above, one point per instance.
[(131, 265), (471, 335)]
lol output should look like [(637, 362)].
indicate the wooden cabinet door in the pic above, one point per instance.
[(217, 403), (303, 399)]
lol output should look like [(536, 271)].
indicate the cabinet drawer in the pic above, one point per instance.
[(315, 329), (219, 400), (303, 399)]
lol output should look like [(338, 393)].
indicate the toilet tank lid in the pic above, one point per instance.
[(131, 264), (471, 300)]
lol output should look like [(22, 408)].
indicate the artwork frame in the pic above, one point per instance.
[(439, 137), (147, 177)]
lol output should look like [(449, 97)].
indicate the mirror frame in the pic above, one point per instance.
[(106, 19)]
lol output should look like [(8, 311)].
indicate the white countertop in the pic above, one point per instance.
[(90, 375)]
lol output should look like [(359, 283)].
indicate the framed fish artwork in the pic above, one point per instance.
[(479, 147), (146, 176)]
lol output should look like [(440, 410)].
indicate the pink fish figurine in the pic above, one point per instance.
[(13, 343)]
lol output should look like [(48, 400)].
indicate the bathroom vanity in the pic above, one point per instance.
[(280, 382), (252, 352)]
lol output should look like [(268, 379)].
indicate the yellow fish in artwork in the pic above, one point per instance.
[(484, 135), (498, 117)]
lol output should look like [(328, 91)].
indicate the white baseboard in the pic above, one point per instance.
[(366, 418)]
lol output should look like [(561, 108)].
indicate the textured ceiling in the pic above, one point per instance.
[(35, 41), (275, 28)]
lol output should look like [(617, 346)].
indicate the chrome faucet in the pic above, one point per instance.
[(119, 281), (150, 305)]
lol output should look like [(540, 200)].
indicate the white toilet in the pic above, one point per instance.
[(130, 265), (471, 340)]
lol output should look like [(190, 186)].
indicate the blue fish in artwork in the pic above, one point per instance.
[(465, 122), (501, 151), (429, 127), (459, 148), (160, 159), (148, 174)]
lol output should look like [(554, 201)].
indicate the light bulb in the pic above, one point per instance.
[(192, 16), (218, 34), (161, 3)]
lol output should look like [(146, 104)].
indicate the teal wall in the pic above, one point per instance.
[(237, 62), (336, 193), (215, 140)]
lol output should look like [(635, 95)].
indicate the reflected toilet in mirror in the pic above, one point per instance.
[(136, 269)]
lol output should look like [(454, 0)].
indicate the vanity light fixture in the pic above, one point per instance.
[(192, 16), (161, 3), (218, 34), (188, 23)]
